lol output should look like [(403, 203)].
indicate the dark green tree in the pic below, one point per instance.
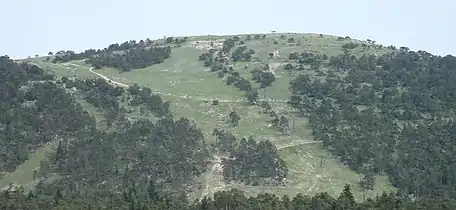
[(252, 96), (234, 118)]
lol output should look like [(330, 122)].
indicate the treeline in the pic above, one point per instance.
[(242, 54), (33, 112), (126, 56), (390, 113), (139, 57), (313, 60), (263, 76), (219, 62), (222, 61), (147, 198), (69, 55)]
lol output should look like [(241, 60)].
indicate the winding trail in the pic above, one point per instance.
[(297, 143), (108, 80), (213, 178), (169, 94)]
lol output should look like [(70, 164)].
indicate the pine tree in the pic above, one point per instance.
[(58, 196), (234, 118), (30, 195), (346, 198), (206, 204), (252, 96), (151, 191), (60, 153), (133, 187), (284, 124), (60, 156)]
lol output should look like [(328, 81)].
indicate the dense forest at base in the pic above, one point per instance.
[(145, 198)]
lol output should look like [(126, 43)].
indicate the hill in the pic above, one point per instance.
[(277, 113)]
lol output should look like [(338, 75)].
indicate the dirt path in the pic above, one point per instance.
[(169, 94), (98, 74), (108, 80), (296, 143), (213, 180), (273, 67)]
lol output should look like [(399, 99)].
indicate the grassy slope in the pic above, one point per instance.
[(23, 175), (183, 76)]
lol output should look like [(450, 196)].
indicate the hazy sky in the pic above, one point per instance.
[(37, 27)]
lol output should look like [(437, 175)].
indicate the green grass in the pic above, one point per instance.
[(23, 175), (93, 111), (182, 75), (321, 172), (179, 75)]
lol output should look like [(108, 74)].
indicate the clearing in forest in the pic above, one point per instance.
[(184, 82)]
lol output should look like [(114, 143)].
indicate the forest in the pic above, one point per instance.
[(34, 112), (392, 113), (249, 161), (88, 160), (255, 163), (146, 198)]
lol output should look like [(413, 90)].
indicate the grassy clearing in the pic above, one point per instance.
[(23, 175), (183, 75), (186, 83), (100, 119), (314, 170)]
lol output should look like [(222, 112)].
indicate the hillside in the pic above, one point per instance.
[(267, 113)]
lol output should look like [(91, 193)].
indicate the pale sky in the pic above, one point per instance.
[(36, 27)]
